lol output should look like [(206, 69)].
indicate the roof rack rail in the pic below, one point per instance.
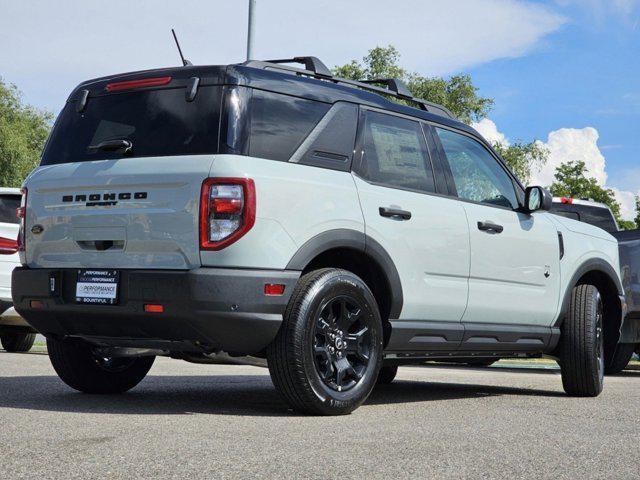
[(312, 64), (315, 68), (394, 84)]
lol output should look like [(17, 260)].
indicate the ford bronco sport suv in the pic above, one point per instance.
[(265, 210)]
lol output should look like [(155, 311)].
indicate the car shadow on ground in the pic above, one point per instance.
[(252, 395)]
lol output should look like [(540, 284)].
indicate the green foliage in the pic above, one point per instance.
[(457, 93), (572, 181), (523, 157), (637, 219), (23, 133)]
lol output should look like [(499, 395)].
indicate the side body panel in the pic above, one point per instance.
[(515, 274), (294, 203), (430, 250)]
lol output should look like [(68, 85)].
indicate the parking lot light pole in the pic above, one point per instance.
[(251, 29)]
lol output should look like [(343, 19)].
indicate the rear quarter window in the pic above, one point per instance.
[(156, 122), (280, 123)]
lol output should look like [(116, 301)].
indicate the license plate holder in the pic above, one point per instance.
[(97, 287)]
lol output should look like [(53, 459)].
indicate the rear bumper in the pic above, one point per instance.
[(205, 309)]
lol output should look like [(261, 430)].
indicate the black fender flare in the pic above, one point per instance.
[(591, 265), (355, 240)]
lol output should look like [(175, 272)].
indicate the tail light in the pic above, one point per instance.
[(21, 213), (227, 211)]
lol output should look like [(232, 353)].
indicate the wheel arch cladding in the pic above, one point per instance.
[(360, 254), (602, 275)]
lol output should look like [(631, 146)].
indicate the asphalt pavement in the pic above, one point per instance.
[(188, 421)]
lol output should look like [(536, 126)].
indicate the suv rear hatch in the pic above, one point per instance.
[(120, 178)]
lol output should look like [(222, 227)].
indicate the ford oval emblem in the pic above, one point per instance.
[(37, 229)]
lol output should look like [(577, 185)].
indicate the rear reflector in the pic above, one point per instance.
[(273, 289), (153, 308), (36, 304), (144, 82)]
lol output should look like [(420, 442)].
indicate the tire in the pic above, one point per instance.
[(328, 351), (17, 342), (620, 359), (387, 374), (80, 368), (581, 344)]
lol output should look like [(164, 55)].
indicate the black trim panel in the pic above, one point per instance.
[(415, 337), (346, 238), (593, 264)]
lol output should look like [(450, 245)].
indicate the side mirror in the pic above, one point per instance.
[(8, 246), (537, 198)]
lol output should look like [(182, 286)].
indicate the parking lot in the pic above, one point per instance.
[(217, 421)]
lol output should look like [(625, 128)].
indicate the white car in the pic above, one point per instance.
[(15, 334), (260, 209)]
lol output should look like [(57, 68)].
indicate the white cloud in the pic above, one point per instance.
[(565, 145), (488, 129), (572, 144), (49, 47)]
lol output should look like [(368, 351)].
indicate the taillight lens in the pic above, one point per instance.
[(227, 211), (21, 213)]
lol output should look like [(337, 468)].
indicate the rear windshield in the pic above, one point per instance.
[(598, 216), (155, 122)]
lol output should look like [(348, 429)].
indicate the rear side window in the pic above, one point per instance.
[(280, 123), (395, 153), (8, 206), (476, 173), (156, 122)]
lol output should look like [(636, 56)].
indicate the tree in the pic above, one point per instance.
[(572, 181), (23, 133), (457, 93), (523, 157), (637, 219)]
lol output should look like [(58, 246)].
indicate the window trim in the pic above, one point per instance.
[(358, 156), (518, 189)]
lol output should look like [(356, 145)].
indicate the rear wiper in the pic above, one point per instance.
[(112, 145)]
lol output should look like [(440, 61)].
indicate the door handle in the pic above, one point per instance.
[(490, 227), (394, 213)]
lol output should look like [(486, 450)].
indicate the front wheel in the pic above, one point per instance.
[(582, 345), (80, 367), (17, 342), (327, 354)]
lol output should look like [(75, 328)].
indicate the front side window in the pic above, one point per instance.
[(395, 153), (476, 173)]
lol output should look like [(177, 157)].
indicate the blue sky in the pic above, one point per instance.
[(565, 72)]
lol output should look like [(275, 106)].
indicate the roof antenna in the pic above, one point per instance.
[(185, 62)]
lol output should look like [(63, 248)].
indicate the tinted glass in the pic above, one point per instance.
[(156, 122), (476, 173), (598, 216), (280, 123), (395, 153), (8, 206)]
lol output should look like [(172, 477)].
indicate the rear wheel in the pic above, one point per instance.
[(17, 342), (78, 365), (620, 359), (326, 356), (582, 346), (387, 374)]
